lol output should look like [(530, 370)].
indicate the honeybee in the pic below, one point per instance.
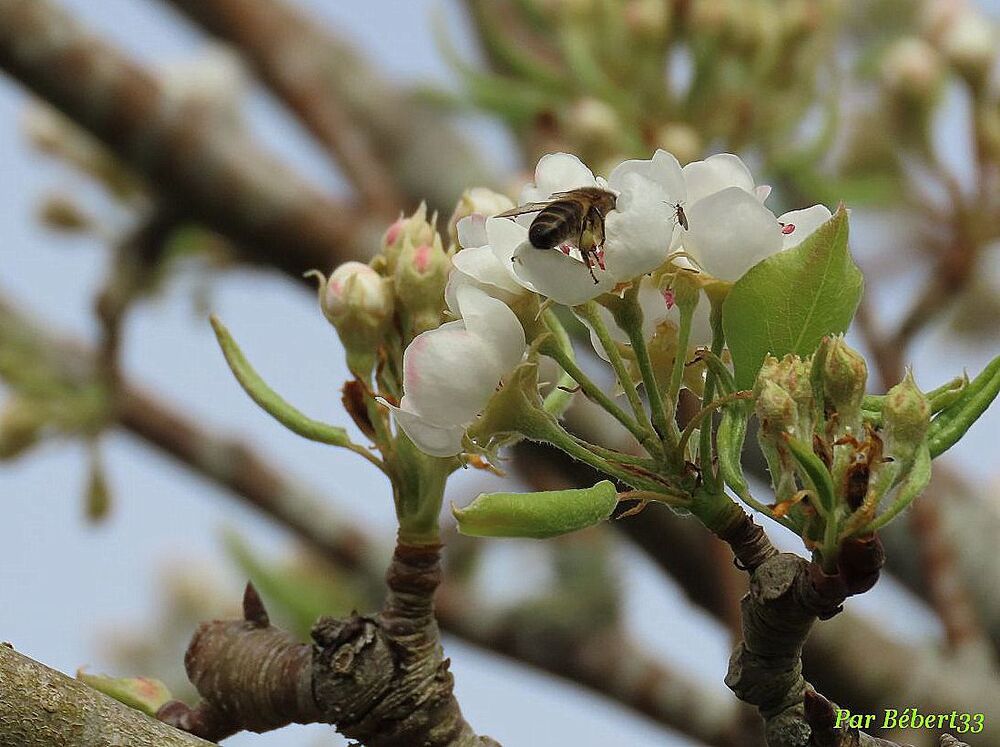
[(576, 215)]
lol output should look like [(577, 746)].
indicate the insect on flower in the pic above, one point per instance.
[(679, 215), (577, 215)]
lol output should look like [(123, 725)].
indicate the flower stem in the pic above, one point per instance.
[(559, 398), (664, 425), (705, 435), (594, 392), (589, 312), (683, 340), (706, 411)]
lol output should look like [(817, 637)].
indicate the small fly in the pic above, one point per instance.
[(680, 216)]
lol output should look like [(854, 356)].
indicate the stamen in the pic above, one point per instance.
[(787, 228)]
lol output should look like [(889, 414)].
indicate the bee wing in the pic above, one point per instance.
[(531, 207)]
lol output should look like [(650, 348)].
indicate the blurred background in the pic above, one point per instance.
[(118, 533)]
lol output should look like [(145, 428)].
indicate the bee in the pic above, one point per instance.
[(576, 215)]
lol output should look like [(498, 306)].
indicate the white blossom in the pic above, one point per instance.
[(450, 373)]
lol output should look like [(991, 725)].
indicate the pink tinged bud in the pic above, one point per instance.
[(422, 258), (393, 232), (356, 288)]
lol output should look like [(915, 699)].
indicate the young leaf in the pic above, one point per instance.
[(142, 693), (536, 515), (955, 419), (789, 301), (269, 400)]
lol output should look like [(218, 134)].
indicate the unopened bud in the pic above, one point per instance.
[(420, 279), (913, 70), (776, 409), (845, 375), (358, 302), (478, 200), (906, 415), (417, 228)]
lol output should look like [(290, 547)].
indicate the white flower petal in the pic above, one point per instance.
[(730, 232), (560, 277), (430, 438), (494, 322), (798, 225), (715, 174), (480, 267), (662, 169), (472, 231), (560, 172), (449, 374), (639, 230), (505, 236)]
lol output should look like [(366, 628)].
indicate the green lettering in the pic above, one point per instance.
[(891, 715)]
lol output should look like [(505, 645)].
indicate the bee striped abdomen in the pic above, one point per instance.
[(554, 224)]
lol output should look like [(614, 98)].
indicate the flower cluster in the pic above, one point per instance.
[(707, 218)]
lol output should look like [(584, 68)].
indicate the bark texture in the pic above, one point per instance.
[(40, 707), (381, 680)]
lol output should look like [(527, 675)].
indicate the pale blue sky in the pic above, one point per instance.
[(65, 583)]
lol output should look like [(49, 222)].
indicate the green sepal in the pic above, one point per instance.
[(141, 693), (954, 420), (536, 515), (788, 302), (269, 400)]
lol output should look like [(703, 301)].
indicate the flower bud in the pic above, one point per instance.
[(912, 70), (845, 375), (778, 416), (359, 304), (420, 278), (478, 200), (906, 415), (776, 409), (417, 228)]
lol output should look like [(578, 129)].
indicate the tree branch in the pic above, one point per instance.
[(379, 680), (386, 140), (40, 707), (214, 175)]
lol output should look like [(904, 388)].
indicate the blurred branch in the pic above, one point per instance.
[(214, 175), (388, 141), (40, 707), (606, 662)]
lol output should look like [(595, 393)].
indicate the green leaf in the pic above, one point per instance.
[(955, 419), (788, 302), (141, 693), (536, 515), (269, 400)]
